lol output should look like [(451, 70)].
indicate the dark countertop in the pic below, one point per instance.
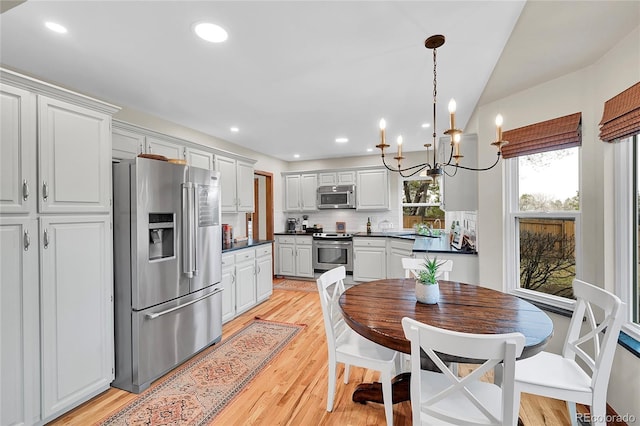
[(421, 243), (243, 245)]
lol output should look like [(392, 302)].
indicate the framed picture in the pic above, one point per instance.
[(341, 227)]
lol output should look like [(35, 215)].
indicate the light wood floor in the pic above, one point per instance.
[(292, 390)]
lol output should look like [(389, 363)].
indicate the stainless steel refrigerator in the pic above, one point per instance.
[(167, 267)]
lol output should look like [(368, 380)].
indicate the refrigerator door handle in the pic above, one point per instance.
[(188, 240), (175, 308)]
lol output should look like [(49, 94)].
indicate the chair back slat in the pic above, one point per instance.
[(495, 349), (412, 265), (593, 341), (331, 286)]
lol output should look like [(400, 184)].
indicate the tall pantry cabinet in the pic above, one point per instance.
[(56, 293)]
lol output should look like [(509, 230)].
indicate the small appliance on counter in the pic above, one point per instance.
[(227, 234), (291, 224), (305, 222)]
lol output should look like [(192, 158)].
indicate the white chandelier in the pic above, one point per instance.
[(437, 169)]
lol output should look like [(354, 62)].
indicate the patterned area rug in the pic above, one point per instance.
[(296, 285), (201, 388)]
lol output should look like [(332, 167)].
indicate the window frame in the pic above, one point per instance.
[(624, 212), (512, 252)]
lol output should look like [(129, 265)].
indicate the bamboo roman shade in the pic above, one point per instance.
[(558, 133), (621, 116)]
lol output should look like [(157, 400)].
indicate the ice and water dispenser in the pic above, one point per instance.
[(161, 235)]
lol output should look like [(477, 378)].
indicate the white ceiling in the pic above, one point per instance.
[(295, 75)]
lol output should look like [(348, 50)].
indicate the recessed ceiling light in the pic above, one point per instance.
[(369, 149), (425, 125), (342, 140), (234, 129), (210, 32), (296, 155), (55, 27)]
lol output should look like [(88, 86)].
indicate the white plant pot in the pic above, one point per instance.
[(427, 293)]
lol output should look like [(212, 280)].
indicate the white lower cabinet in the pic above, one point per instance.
[(77, 310), (396, 250), (264, 273), (295, 255), (247, 280), (369, 258), (20, 325)]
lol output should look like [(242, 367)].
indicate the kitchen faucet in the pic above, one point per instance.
[(438, 222)]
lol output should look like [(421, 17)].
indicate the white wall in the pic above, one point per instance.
[(583, 91)]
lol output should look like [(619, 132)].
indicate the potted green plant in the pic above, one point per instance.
[(427, 288)]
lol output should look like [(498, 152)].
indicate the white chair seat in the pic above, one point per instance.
[(489, 395), (350, 343), (553, 371)]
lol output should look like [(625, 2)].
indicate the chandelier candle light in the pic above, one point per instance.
[(436, 169)]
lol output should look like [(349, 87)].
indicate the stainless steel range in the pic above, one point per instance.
[(332, 250)]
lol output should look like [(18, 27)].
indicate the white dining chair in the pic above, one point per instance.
[(412, 265), (445, 398), (348, 347), (592, 341)]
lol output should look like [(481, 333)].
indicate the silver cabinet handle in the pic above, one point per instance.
[(26, 240), (45, 191), (159, 314), (233, 278), (141, 149), (25, 190), (45, 239)]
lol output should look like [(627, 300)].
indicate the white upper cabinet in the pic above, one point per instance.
[(167, 148), (300, 192), (460, 192), (372, 190), (125, 144), (236, 184), (74, 146), (342, 177), (199, 158), (18, 185)]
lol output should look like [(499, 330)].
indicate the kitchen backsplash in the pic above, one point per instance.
[(355, 221)]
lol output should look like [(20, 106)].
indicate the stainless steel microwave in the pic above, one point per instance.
[(337, 197)]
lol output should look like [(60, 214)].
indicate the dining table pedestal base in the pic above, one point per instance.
[(372, 392)]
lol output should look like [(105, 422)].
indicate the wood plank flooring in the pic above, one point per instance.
[(292, 390)]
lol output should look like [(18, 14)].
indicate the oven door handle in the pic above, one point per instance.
[(333, 243)]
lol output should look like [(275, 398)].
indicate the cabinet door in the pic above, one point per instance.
[(199, 158), (74, 146), (229, 290), (166, 148), (19, 328), (126, 145), (292, 202), (244, 186), (245, 285), (304, 261), (308, 191), (372, 190), (227, 169), (329, 178), (369, 263), (18, 185), (264, 278), (77, 307), (396, 252), (346, 177), (287, 259)]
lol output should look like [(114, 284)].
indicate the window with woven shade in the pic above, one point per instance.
[(621, 115), (550, 135)]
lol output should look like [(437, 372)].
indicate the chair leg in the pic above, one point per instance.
[(387, 397), (573, 414), (599, 411), (331, 389), (516, 404), (346, 373)]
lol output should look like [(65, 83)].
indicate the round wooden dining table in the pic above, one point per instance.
[(375, 311)]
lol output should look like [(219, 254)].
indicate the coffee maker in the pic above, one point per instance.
[(291, 224)]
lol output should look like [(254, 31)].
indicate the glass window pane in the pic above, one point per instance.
[(549, 181), (636, 288), (425, 199), (547, 255)]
